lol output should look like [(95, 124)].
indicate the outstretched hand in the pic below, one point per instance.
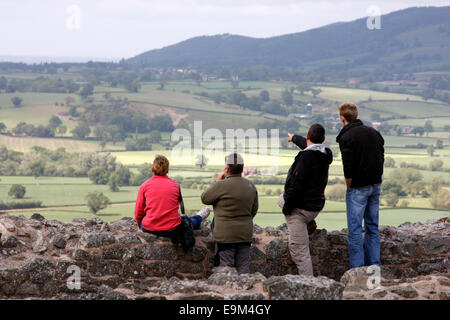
[(291, 135)]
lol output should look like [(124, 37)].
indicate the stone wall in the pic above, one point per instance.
[(116, 260)]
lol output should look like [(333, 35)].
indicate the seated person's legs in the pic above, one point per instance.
[(199, 217)]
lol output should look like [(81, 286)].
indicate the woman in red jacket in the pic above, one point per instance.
[(157, 203)]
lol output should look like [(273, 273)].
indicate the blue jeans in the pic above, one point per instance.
[(195, 220), (363, 203)]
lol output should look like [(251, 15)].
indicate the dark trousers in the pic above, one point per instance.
[(195, 220), (236, 255)]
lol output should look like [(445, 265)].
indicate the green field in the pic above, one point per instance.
[(357, 95), (326, 220), (35, 98), (65, 197), (413, 109)]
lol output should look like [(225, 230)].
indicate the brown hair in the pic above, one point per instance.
[(160, 165), (349, 111)]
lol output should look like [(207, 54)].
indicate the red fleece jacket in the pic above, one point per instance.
[(157, 204)]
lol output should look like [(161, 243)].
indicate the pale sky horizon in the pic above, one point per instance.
[(114, 29)]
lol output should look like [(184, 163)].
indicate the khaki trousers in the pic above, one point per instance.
[(299, 239)]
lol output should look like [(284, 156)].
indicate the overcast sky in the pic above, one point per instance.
[(118, 28)]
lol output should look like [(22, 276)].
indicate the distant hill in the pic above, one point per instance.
[(414, 39)]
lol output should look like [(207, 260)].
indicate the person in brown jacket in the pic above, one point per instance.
[(235, 202)]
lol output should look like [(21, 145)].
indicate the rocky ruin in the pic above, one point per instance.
[(93, 259)]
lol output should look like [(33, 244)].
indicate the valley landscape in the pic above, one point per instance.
[(54, 115)]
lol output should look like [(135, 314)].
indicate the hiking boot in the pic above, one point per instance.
[(204, 213)]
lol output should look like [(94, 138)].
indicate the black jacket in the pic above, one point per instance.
[(307, 179), (362, 154)]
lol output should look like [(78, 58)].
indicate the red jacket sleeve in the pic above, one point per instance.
[(139, 209)]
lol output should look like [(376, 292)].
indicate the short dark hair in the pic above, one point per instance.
[(235, 163), (316, 133)]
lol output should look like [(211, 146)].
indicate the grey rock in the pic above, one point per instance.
[(201, 296), (129, 239), (38, 217), (118, 253), (405, 291), (444, 281), (245, 296), (59, 241), (444, 295), (226, 276), (275, 249), (148, 237), (271, 231), (39, 270), (80, 254), (95, 240), (257, 229), (175, 285), (291, 287), (196, 254), (156, 251), (9, 241), (256, 254), (435, 245), (27, 289), (379, 294), (336, 237)]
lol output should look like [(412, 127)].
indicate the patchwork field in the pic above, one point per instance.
[(65, 197), (357, 95)]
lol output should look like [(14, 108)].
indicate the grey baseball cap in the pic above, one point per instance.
[(234, 158)]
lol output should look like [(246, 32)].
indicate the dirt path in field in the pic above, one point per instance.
[(152, 110)]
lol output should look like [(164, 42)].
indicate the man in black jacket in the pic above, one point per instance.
[(304, 193), (362, 150)]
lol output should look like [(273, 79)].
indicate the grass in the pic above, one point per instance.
[(357, 95), (25, 144), (68, 191), (326, 220), (413, 109), (34, 114), (35, 98), (436, 121)]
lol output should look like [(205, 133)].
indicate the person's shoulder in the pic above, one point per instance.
[(249, 183)]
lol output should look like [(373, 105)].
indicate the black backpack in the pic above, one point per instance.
[(185, 231)]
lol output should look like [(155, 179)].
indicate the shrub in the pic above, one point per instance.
[(97, 201), (391, 200), (20, 204), (404, 204), (17, 191), (441, 200), (114, 182), (392, 186), (389, 162), (435, 184), (436, 165), (98, 175)]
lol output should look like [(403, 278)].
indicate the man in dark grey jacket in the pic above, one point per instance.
[(235, 202)]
